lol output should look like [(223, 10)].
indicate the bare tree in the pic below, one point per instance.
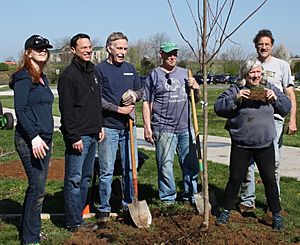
[(282, 52), (156, 41), (211, 22), (60, 43)]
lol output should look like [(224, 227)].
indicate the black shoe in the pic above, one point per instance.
[(277, 222), (86, 226), (102, 216), (223, 218)]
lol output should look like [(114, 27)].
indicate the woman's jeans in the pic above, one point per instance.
[(79, 168), (114, 139), (167, 144), (36, 171)]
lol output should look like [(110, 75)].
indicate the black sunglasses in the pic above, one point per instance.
[(169, 81), (40, 39)]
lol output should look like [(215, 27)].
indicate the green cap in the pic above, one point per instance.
[(168, 47)]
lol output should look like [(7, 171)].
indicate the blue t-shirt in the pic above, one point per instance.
[(169, 95), (116, 80)]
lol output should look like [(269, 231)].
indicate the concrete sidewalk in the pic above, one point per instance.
[(219, 150)]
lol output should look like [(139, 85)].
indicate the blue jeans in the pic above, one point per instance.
[(248, 186), (78, 172), (107, 152), (167, 144), (36, 171)]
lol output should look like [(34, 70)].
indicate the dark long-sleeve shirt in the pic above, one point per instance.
[(33, 106), (116, 81)]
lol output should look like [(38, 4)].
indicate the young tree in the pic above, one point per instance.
[(211, 20)]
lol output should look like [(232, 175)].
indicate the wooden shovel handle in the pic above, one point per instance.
[(195, 120), (133, 160)]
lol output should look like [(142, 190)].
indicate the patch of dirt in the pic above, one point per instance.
[(181, 228), (15, 170), (169, 226)]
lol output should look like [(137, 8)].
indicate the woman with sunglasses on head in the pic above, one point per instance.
[(33, 101)]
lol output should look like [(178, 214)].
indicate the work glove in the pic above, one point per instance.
[(39, 147), (129, 97)]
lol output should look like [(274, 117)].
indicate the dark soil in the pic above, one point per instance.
[(169, 226)]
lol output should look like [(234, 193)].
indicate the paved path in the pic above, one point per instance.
[(219, 149)]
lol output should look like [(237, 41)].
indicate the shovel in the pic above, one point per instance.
[(199, 198), (138, 210)]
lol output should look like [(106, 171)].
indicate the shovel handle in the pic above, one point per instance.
[(196, 128), (133, 160), (190, 75)]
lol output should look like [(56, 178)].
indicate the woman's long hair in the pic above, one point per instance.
[(27, 64)]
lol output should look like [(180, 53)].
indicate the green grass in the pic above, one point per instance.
[(12, 194), (12, 191)]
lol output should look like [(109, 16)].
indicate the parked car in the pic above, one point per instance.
[(219, 79), (232, 79), (199, 79)]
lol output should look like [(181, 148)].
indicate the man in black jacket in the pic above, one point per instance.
[(81, 125)]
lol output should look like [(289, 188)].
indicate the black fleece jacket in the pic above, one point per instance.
[(79, 101)]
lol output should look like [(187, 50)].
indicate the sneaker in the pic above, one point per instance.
[(86, 226), (103, 216), (223, 218), (277, 222)]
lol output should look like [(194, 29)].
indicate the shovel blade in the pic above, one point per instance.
[(140, 214), (199, 201)]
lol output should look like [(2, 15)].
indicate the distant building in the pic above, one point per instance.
[(9, 62), (64, 55)]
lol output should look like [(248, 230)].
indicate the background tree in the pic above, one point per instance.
[(211, 22), (155, 42), (232, 59), (282, 52)]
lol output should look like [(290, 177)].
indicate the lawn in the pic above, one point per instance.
[(12, 190)]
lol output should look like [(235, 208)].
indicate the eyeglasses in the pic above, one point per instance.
[(169, 81)]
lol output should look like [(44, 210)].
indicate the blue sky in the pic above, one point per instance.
[(138, 19)]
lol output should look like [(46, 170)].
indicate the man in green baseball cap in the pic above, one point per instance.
[(167, 124)]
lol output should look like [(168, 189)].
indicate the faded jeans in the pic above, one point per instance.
[(78, 172), (36, 171), (167, 144), (247, 195), (107, 151)]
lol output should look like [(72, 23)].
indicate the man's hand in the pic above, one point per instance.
[(148, 135), (39, 147), (193, 83), (78, 146), (125, 109), (129, 97), (101, 135)]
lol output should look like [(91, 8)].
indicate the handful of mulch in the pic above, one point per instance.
[(258, 94)]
